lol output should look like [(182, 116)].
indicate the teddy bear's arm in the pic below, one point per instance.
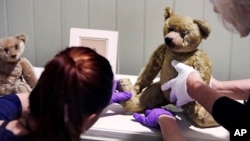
[(203, 65), (28, 72), (151, 69)]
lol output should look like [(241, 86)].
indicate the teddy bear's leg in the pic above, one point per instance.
[(23, 88), (152, 96), (133, 104), (199, 115)]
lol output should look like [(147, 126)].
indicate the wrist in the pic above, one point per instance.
[(194, 81), (217, 85), (164, 119), (169, 128)]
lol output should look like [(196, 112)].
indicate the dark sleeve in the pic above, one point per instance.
[(10, 107), (231, 114)]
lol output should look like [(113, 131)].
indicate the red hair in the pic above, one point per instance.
[(76, 83)]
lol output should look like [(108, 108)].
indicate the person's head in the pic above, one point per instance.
[(74, 88), (235, 14)]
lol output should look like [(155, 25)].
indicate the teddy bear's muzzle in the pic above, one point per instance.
[(169, 42)]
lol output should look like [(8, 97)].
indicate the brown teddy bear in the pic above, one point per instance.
[(182, 35), (16, 73)]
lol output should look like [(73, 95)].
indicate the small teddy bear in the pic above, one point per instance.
[(16, 73), (182, 35)]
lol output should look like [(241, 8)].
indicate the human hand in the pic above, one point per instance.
[(178, 85), (214, 83), (119, 96), (151, 117)]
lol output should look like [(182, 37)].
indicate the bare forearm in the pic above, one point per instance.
[(170, 129), (24, 98), (201, 92), (236, 89)]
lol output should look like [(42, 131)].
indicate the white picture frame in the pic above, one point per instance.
[(103, 41)]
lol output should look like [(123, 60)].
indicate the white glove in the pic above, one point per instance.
[(178, 85)]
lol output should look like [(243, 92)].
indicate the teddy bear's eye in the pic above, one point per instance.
[(16, 47), (6, 50), (170, 29), (183, 33)]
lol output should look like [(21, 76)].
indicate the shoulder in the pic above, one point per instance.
[(10, 107), (25, 63), (201, 52), (24, 60)]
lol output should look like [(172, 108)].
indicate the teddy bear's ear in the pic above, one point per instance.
[(22, 37), (204, 27), (168, 13)]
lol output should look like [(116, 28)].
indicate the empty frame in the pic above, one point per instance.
[(103, 42)]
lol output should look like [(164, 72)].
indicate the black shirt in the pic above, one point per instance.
[(232, 115)]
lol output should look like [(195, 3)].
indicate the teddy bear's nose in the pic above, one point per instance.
[(13, 56), (168, 40)]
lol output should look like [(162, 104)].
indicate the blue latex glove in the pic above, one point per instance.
[(151, 117), (119, 96)]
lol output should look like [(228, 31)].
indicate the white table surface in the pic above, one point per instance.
[(114, 124)]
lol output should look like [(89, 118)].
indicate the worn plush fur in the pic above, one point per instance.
[(16, 72), (183, 35)]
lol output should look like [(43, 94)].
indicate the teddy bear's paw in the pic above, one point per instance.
[(204, 119), (205, 122), (199, 115), (23, 88), (133, 107), (125, 85)]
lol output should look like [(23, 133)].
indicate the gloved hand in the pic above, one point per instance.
[(119, 96), (178, 85), (151, 117)]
